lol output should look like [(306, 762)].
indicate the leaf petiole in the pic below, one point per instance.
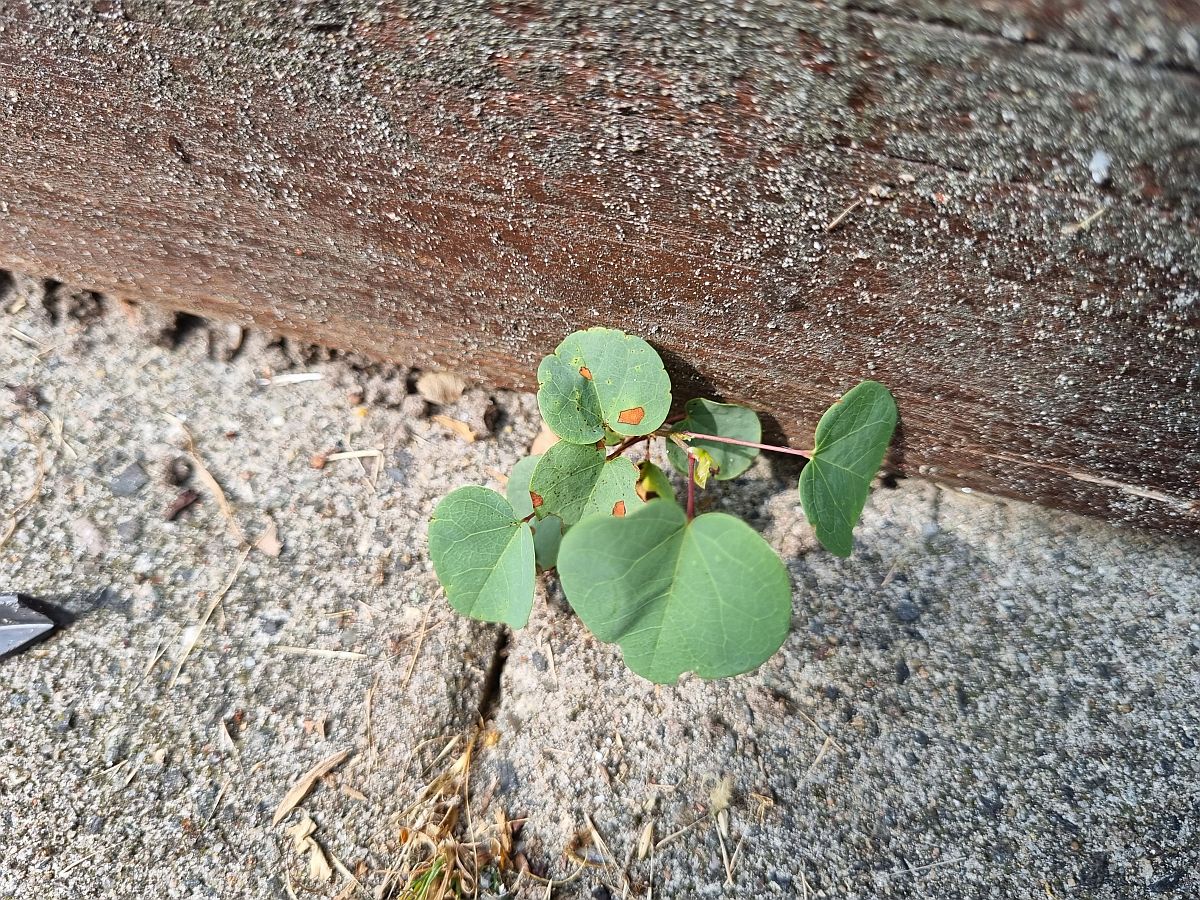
[(626, 444), (691, 501), (694, 435)]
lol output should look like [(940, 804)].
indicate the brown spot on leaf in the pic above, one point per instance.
[(632, 416), (585, 372), (619, 508), (536, 498)]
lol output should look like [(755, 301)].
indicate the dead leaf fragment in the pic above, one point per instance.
[(301, 788), (185, 499), (303, 841), (619, 508), (441, 387), (646, 841), (544, 441), (462, 429), (268, 542), (632, 416), (536, 499), (585, 372)]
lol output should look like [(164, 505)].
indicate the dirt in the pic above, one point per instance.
[(988, 699)]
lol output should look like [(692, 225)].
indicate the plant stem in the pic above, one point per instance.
[(807, 454), (528, 517), (691, 505), (627, 443)]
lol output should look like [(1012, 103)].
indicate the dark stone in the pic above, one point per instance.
[(94, 825), (506, 772), (830, 691), (129, 530), (1095, 870), (1168, 882), (600, 892), (902, 672), (907, 611), (991, 805), (130, 480), (921, 738), (539, 661)]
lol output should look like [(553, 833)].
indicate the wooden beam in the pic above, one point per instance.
[(784, 197)]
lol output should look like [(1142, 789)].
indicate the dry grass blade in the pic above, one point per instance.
[(322, 654), (462, 429), (301, 788), (412, 663), (354, 454), (440, 853), (1083, 225), (196, 631)]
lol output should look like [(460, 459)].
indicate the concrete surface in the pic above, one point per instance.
[(987, 700)]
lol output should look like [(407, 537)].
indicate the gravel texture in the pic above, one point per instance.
[(987, 700)]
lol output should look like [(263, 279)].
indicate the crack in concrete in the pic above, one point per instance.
[(491, 695)]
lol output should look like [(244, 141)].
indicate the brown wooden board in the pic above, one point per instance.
[(460, 184)]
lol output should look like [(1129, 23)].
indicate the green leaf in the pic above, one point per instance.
[(709, 596), (602, 378), (704, 466), (574, 481), (724, 420), (851, 440), (547, 533), (653, 482), (483, 556)]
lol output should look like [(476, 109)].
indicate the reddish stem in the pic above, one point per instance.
[(691, 504), (807, 454), (528, 517), (627, 443)]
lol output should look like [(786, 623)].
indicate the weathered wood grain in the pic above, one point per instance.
[(461, 183)]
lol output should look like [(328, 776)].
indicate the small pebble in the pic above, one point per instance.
[(907, 611), (129, 530), (1099, 167), (131, 480)]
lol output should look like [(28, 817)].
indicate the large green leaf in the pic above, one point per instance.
[(707, 596), (602, 378), (483, 556), (547, 532), (724, 420), (851, 440), (574, 481)]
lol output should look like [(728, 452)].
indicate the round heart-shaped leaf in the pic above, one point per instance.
[(574, 481), (851, 439), (548, 531), (708, 596), (723, 420), (603, 380), (483, 556)]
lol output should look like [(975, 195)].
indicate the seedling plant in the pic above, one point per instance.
[(679, 592)]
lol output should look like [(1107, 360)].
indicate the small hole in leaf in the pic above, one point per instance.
[(585, 372), (536, 498), (619, 508)]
